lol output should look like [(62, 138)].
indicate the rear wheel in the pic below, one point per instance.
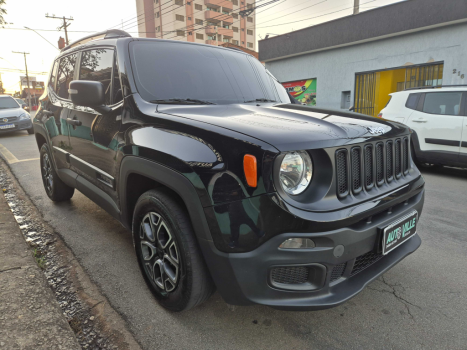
[(168, 253), (55, 188)]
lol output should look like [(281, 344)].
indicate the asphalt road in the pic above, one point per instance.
[(419, 304)]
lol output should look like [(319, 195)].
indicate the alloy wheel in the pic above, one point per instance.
[(47, 176), (159, 253)]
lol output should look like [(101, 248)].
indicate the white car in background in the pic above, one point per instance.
[(438, 117)]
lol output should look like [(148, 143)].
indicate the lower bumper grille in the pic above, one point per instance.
[(364, 261), (290, 275), (338, 271)]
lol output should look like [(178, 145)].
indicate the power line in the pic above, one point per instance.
[(295, 11), (64, 26), (307, 19)]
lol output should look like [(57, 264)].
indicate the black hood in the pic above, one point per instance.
[(291, 127)]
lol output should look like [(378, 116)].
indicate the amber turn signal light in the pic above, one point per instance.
[(251, 170)]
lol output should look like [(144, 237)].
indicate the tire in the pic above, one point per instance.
[(55, 188), (167, 251), (30, 131)]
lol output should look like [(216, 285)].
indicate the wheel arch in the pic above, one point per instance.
[(137, 175)]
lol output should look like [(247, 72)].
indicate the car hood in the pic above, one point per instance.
[(291, 127), (11, 112)]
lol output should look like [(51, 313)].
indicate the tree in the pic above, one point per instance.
[(2, 12)]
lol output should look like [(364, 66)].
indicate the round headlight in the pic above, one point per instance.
[(295, 172)]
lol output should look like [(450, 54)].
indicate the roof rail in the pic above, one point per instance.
[(107, 34), (433, 87)]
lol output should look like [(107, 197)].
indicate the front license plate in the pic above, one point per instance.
[(400, 231), (8, 126)]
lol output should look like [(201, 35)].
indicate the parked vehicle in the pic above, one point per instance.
[(438, 117), (223, 182), (13, 117)]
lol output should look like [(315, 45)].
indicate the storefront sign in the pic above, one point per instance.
[(304, 91)]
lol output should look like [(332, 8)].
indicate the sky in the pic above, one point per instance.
[(98, 15)]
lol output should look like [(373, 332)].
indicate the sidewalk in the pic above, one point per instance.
[(30, 317)]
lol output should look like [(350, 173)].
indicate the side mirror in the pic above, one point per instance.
[(352, 108), (88, 94)]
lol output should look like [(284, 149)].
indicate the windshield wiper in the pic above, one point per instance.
[(182, 101), (261, 100)]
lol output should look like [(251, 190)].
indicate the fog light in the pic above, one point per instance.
[(294, 243)]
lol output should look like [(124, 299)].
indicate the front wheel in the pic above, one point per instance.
[(168, 253), (55, 188)]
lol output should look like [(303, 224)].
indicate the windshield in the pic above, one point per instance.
[(168, 71), (8, 102), (20, 101)]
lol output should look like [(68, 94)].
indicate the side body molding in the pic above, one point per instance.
[(169, 178)]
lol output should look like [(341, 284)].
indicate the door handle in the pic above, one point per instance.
[(74, 122), (419, 120)]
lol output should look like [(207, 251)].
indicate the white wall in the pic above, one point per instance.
[(335, 69)]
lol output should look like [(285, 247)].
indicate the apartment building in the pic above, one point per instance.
[(213, 22)]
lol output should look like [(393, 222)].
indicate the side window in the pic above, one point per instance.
[(53, 76), (117, 87), (444, 103), (66, 70), (412, 101), (96, 65)]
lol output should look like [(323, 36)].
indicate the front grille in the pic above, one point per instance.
[(338, 271), (369, 166), (364, 261), (290, 275), (8, 119), (341, 166), (405, 155), (389, 170), (356, 170), (397, 159), (377, 164)]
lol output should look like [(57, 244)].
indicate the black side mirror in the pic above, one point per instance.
[(352, 108), (88, 94)]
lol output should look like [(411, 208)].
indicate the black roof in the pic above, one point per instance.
[(391, 20)]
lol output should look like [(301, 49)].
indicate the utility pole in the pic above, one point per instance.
[(64, 26), (27, 78), (356, 6)]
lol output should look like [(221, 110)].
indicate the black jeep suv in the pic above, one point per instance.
[(224, 182)]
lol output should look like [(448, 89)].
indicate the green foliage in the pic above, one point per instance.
[(40, 258), (2, 12)]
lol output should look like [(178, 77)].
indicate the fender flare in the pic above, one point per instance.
[(169, 178)]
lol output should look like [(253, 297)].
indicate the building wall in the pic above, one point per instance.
[(160, 17), (335, 69)]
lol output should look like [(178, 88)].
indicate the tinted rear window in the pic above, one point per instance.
[(412, 101)]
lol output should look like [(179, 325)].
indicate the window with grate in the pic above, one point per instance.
[(158, 14), (234, 15), (249, 6), (235, 29), (250, 45), (250, 19), (180, 18), (249, 32), (235, 42), (198, 7), (199, 36), (235, 2), (180, 33), (199, 21), (179, 2)]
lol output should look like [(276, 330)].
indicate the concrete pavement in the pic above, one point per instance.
[(419, 304), (30, 317)]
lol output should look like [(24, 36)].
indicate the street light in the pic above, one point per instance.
[(42, 37)]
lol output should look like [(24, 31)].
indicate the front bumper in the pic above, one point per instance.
[(245, 278), (19, 125)]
